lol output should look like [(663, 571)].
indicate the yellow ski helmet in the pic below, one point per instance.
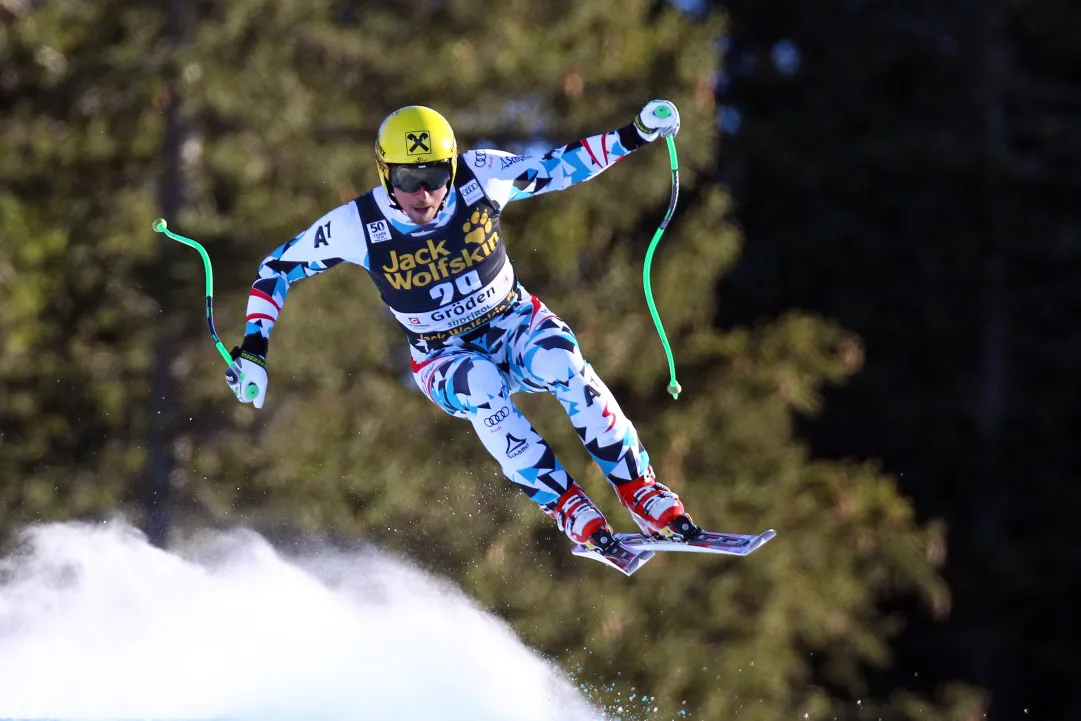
[(414, 135)]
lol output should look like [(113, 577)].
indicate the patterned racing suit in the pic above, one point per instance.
[(475, 334)]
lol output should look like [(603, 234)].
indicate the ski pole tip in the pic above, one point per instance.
[(675, 389), (159, 225)]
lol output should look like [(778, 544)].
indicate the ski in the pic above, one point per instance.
[(624, 560), (640, 547), (729, 544)]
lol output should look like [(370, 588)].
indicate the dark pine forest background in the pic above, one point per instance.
[(870, 284)]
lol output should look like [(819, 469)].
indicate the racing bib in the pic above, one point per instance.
[(448, 281)]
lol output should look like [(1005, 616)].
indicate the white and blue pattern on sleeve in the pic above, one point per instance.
[(335, 238), (506, 177)]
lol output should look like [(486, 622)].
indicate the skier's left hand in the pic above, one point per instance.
[(659, 118)]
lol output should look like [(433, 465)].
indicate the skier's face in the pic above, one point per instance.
[(421, 206)]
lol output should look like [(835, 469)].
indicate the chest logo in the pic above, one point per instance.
[(434, 261), (478, 229), (418, 142), (378, 231)]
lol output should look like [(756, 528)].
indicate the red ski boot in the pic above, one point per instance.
[(656, 509), (583, 522)]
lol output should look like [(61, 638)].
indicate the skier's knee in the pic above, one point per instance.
[(556, 362), (466, 385)]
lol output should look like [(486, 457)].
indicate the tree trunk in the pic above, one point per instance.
[(170, 198)]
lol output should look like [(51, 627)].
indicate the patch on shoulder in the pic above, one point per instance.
[(471, 192)]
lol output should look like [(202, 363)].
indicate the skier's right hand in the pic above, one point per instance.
[(247, 377)]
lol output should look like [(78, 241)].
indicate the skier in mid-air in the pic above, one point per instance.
[(429, 237)]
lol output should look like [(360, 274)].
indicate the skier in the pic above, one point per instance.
[(430, 238)]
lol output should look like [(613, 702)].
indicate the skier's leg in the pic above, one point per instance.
[(545, 353), (467, 384)]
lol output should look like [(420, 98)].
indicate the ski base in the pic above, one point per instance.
[(639, 547)]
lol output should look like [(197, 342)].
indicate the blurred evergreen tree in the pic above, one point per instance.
[(911, 171), (80, 139), (279, 102)]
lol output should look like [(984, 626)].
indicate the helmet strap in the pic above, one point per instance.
[(390, 196), (443, 203)]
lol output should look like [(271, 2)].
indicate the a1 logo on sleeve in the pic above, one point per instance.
[(471, 192), (378, 231)]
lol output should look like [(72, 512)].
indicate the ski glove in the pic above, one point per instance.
[(659, 118), (247, 377)]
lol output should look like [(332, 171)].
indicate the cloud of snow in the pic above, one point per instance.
[(97, 624)]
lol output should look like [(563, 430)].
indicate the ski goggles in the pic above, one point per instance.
[(411, 178)]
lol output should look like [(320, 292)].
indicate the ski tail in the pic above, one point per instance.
[(623, 559)]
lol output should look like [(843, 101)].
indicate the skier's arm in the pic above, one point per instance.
[(335, 238), (506, 177)]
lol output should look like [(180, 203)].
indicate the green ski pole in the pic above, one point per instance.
[(673, 387), (159, 226)]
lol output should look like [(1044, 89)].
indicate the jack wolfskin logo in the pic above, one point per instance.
[(434, 262), (478, 230), (419, 142)]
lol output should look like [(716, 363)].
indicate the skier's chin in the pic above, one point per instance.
[(421, 216)]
